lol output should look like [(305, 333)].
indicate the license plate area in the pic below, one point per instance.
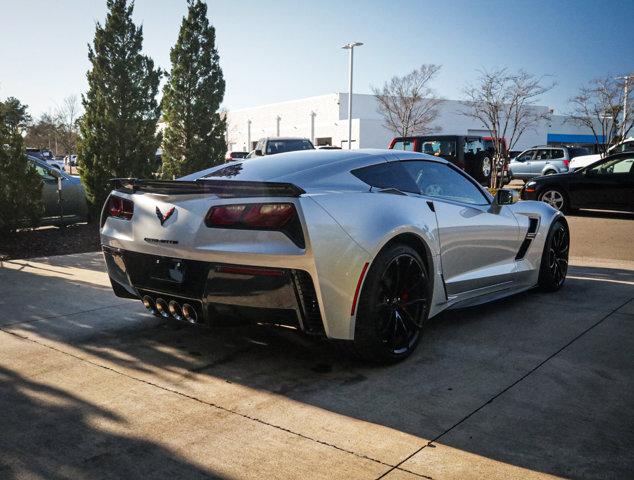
[(168, 270)]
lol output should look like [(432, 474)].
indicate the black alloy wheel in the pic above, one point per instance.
[(393, 306), (401, 303), (554, 267)]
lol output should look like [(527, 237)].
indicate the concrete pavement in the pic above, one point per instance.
[(91, 386)]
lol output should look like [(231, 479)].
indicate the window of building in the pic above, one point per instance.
[(324, 141)]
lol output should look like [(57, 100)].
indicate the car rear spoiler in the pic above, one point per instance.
[(221, 188)]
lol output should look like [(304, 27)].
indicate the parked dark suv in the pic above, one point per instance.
[(466, 152)]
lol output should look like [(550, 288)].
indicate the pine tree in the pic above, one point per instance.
[(20, 185), (118, 128), (194, 137)]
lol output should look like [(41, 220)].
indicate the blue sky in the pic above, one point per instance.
[(272, 51)]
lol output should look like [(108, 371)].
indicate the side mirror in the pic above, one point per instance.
[(258, 153), (53, 172), (506, 197)]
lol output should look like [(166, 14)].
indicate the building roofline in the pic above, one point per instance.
[(266, 105)]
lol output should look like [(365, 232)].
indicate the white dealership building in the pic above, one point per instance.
[(324, 120)]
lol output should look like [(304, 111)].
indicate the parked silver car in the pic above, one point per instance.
[(359, 246), (542, 160), (64, 207)]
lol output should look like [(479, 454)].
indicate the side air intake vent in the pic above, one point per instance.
[(533, 223), (313, 323)]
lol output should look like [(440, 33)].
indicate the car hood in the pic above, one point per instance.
[(585, 159)]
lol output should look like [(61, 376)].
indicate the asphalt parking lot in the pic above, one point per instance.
[(538, 385)]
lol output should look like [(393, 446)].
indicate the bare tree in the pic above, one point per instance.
[(598, 107), (504, 103), (67, 117), (43, 133), (408, 105)]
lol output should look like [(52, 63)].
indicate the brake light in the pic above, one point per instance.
[(117, 207), (566, 162), (258, 216), (264, 216)]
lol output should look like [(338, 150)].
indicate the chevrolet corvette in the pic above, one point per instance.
[(361, 247)]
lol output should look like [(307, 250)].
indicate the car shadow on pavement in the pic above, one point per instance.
[(460, 388)]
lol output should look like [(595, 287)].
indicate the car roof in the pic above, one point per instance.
[(437, 136), (285, 138), (306, 167)]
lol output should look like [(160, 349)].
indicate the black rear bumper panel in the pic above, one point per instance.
[(221, 293)]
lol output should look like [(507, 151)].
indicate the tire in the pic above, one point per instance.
[(393, 306), (555, 197), (482, 169), (549, 172), (554, 265)]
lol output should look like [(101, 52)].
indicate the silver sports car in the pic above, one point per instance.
[(357, 246)]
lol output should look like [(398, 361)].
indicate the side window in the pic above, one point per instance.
[(473, 145), (440, 180), (407, 145), (627, 147), (543, 154), (526, 156), (43, 172), (447, 148), (620, 165), (387, 175), (557, 154)]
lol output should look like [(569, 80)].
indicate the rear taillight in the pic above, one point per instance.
[(258, 216), (117, 207), (566, 162)]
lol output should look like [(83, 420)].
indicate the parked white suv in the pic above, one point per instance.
[(626, 145)]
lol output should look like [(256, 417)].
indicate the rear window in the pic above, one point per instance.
[(281, 146)]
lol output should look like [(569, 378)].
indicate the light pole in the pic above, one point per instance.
[(626, 81), (350, 46)]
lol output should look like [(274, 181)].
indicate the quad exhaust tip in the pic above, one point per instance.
[(172, 309), (175, 310), (148, 302), (189, 313), (162, 308)]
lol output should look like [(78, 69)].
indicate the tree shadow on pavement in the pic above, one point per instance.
[(49, 433)]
